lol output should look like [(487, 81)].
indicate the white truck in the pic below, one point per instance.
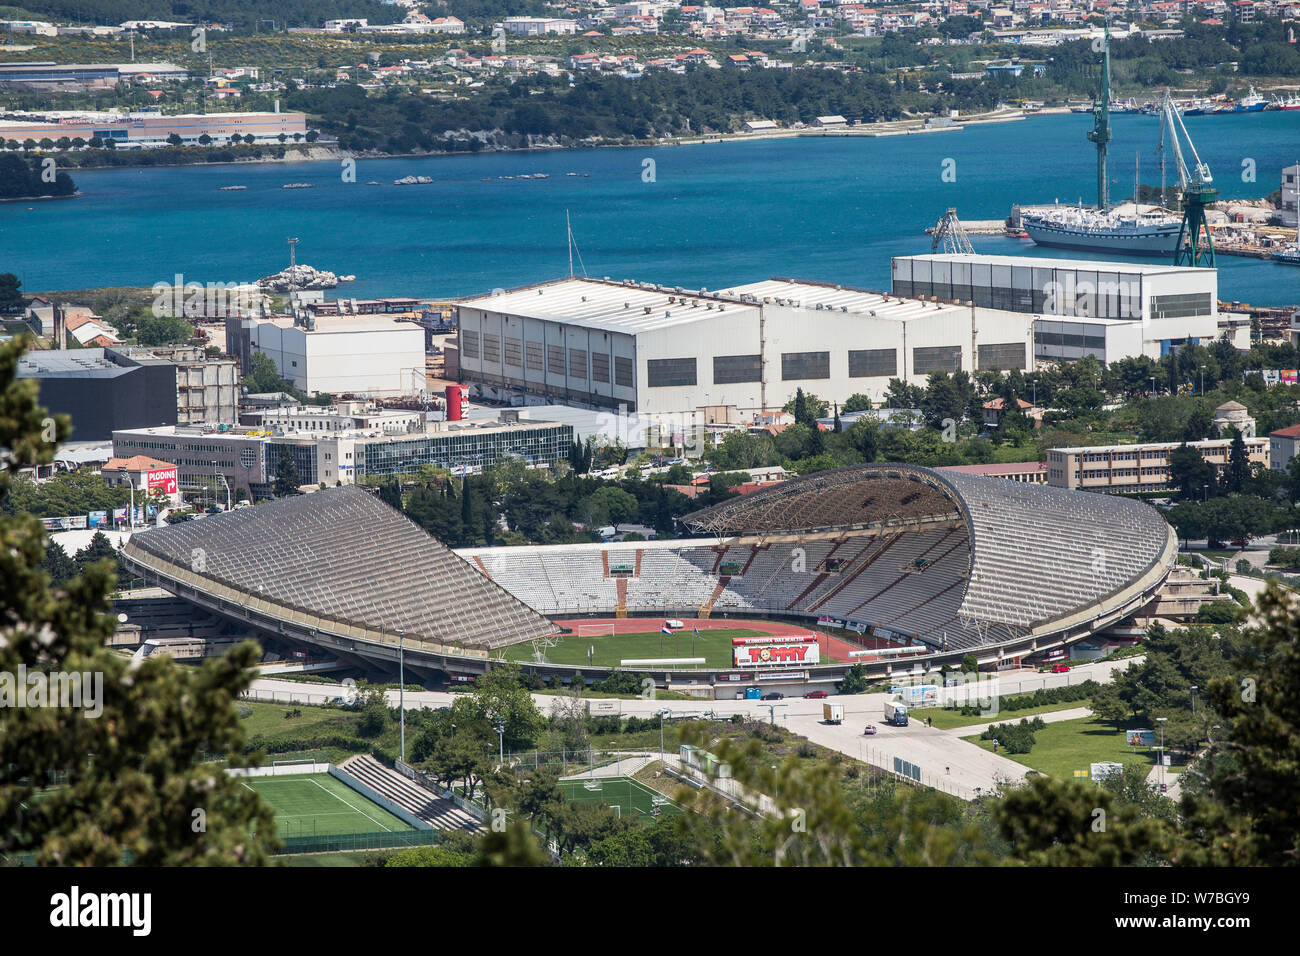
[(896, 713), (833, 713)]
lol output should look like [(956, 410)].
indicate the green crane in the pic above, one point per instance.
[(1100, 132), (1195, 246)]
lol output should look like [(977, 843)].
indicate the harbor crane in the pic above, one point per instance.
[(948, 231), (1101, 133), (1196, 188)]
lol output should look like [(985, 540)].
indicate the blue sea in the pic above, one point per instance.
[(708, 215)]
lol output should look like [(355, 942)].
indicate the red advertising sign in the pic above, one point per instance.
[(164, 479)]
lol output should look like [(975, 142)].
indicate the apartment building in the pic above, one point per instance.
[(1128, 469)]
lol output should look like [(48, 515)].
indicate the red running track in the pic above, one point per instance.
[(831, 647)]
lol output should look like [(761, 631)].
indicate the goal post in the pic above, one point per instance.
[(596, 630)]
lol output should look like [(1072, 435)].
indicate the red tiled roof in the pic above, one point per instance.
[(136, 463)]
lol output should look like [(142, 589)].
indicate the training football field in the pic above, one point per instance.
[(319, 805), (714, 646), (633, 799)]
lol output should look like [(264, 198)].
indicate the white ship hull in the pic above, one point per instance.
[(1143, 240)]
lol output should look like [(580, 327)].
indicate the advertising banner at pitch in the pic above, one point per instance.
[(775, 651)]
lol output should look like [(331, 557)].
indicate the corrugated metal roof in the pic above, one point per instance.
[(630, 308)]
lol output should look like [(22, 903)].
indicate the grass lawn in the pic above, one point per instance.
[(948, 719), (270, 720), (713, 646), (318, 804), (1071, 745)]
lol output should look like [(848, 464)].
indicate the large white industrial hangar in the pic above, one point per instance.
[(1110, 310), (664, 350)]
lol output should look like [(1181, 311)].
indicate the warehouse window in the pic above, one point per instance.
[(555, 359), (873, 363), (578, 363), (1180, 306), (941, 358), (491, 348), (469, 343), (599, 367), (729, 369), (1005, 356), (664, 373), (623, 372), (514, 352), (803, 365), (534, 355)]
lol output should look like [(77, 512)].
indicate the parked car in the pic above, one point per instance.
[(1214, 544), (1243, 543), (1060, 668), (816, 694), (774, 696)]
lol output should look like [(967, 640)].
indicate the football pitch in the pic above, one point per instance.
[(318, 805), (633, 799), (610, 649)]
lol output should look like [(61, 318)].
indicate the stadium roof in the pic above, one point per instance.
[(343, 556), (1037, 553)]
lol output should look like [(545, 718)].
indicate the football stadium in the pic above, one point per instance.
[(883, 554)]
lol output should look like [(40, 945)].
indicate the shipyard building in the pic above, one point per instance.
[(663, 350), (1110, 310)]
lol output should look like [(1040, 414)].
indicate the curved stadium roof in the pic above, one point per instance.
[(341, 556), (1038, 554)]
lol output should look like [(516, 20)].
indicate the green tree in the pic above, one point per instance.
[(287, 479), (1189, 472), (132, 787), (1238, 470), (58, 565), (11, 300), (262, 375)]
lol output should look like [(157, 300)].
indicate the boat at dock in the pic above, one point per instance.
[(1150, 232), (1289, 256)]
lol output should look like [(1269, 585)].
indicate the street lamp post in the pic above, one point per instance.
[(1205, 493), (1193, 700), (222, 476), (501, 742), (1202, 379), (1161, 721)]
